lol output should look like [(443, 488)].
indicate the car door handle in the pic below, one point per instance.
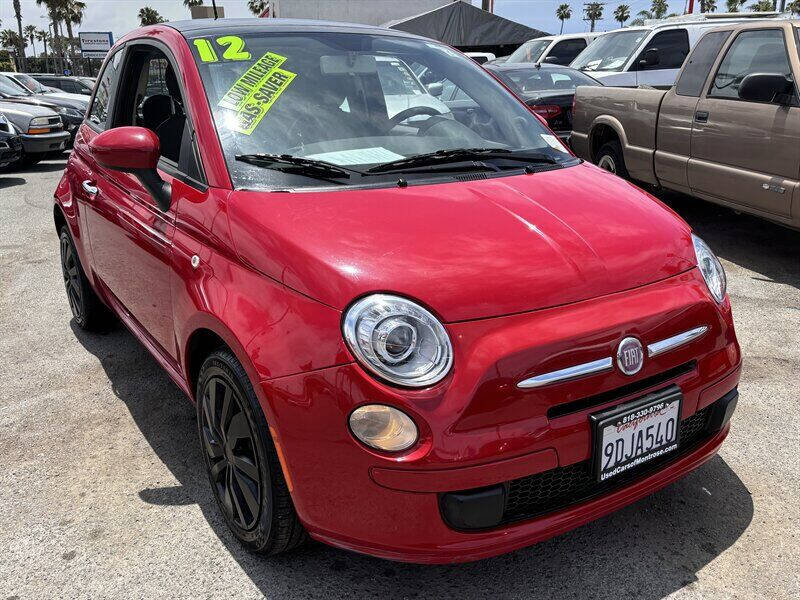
[(89, 188), (701, 116)]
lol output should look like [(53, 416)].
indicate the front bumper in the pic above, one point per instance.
[(478, 430), (44, 142), (10, 149)]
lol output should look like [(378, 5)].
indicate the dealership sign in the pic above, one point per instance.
[(95, 44)]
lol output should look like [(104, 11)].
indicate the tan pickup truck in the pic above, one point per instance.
[(728, 131)]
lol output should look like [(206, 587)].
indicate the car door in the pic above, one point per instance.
[(674, 130), (131, 238), (746, 153), (671, 48)]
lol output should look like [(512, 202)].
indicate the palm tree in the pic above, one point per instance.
[(71, 12), (707, 6), (659, 9), (53, 11), (257, 7), (44, 37), (622, 14), (563, 12), (11, 40), (594, 13), (794, 7), (732, 6), (762, 6), (150, 16), (21, 38), (30, 33), (191, 3)]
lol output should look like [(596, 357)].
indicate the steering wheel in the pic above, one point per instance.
[(414, 111)]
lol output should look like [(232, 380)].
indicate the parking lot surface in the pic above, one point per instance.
[(103, 493)]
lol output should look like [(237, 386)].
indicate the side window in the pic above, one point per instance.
[(566, 51), (760, 51), (150, 97), (98, 113), (695, 72), (69, 86), (672, 46)]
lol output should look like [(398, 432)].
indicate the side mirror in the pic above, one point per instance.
[(553, 60), (435, 89), (133, 150), (650, 58), (766, 87)]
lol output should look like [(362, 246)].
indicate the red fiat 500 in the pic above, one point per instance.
[(413, 323)]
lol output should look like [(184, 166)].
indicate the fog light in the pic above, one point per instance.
[(383, 427)]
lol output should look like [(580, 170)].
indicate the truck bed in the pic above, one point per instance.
[(629, 113)]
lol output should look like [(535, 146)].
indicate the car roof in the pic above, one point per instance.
[(199, 27)]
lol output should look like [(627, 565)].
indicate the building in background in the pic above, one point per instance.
[(368, 12)]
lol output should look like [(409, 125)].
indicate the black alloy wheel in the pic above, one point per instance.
[(72, 278), (87, 309), (230, 449), (241, 460)]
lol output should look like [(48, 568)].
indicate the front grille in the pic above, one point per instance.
[(557, 488)]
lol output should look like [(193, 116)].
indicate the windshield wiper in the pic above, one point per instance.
[(460, 154), (297, 165)]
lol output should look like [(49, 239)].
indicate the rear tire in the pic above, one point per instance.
[(242, 463), (87, 309), (610, 158)]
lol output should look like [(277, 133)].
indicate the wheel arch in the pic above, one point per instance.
[(604, 130)]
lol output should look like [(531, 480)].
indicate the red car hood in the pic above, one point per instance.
[(467, 250)]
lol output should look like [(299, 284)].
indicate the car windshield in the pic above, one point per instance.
[(30, 83), (533, 79), (530, 51), (9, 87), (353, 101), (609, 52)]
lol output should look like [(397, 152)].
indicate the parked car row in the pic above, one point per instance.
[(45, 119)]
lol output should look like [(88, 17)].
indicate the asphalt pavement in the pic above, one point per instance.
[(103, 494)]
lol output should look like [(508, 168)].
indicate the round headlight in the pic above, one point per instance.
[(383, 427), (398, 340), (710, 267)]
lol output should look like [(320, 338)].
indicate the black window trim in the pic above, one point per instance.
[(166, 165), (731, 42), (112, 95)]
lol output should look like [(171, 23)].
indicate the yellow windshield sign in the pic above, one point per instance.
[(254, 93)]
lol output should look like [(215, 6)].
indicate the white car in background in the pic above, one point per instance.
[(555, 49), (650, 55), (403, 89), (37, 87)]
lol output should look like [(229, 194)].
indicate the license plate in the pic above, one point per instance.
[(633, 434)]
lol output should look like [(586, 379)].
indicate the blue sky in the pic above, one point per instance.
[(120, 15)]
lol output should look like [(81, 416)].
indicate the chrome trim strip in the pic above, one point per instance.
[(590, 368), (668, 344)]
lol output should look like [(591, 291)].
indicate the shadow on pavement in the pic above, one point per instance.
[(647, 550), (771, 250), (7, 182)]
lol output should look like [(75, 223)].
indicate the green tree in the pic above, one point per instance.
[(659, 9), (733, 6), (257, 6), (11, 41), (707, 6), (191, 3), (563, 12), (20, 35), (53, 8), (622, 13), (594, 13), (762, 6), (794, 7), (150, 16), (30, 34)]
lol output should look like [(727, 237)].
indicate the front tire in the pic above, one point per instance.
[(87, 309), (610, 158), (241, 460)]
